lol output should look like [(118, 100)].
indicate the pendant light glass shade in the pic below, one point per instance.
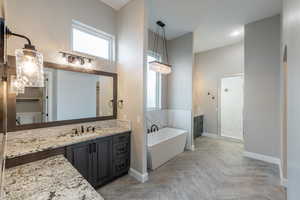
[(29, 67), (16, 85), (160, 67)]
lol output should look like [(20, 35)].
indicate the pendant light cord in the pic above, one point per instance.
[(156, 41), (165, 45), (157, 35)]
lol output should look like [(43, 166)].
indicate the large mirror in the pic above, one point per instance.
[(71, 95), (67, 95)]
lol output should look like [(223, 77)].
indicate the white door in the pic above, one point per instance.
[(232, 107)]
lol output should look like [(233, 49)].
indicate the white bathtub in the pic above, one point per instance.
[(165, 145)]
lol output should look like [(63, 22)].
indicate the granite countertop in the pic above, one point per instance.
[(31, 141), (53, 178)]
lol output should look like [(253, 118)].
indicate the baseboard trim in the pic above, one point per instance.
[(281, 174), (138, 176), (216, 136), (191, 148), (211, 135), (268, 159), (261, 157), (284, 182)]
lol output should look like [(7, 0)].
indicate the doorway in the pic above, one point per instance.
[(231, 107)]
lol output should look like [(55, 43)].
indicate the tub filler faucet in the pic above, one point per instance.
[(153, 128)]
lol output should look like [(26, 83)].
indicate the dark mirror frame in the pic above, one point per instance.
[(12, 98)]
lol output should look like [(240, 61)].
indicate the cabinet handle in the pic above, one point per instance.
[(90, 148), (94, 148)]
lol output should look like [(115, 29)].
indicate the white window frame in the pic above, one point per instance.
[(158, 101), (93, 31)]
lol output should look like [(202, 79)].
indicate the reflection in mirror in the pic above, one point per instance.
[(67, 95)]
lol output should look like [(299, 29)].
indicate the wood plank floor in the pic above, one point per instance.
[(216, 170)]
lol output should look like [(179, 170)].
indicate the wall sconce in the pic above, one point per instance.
[(29, 64), (76, 59)]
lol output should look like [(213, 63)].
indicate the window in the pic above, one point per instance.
[(91, 41), (153, 85)]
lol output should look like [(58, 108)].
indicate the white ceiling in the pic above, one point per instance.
[(212, 20), (116, 4)]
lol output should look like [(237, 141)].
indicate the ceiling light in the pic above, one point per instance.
[(236, 33)]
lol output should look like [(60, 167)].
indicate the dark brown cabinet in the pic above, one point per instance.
[(101, 161), (198, 126), (81, 158), (121, 154)]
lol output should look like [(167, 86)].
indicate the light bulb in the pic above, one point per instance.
[(77, 62), (29, 66)]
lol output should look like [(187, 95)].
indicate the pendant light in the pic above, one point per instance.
[(161, 67), (29, 64)]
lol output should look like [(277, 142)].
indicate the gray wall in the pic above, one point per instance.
[(132, 51), (262, 87), (210, 67), (291, 37), (180, 80), (48, 24)]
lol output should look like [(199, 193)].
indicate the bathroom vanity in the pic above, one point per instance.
[(99, 156), (101, 160), (64, 140)]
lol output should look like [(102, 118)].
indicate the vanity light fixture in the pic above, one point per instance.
[(161, 67), (76, 59)]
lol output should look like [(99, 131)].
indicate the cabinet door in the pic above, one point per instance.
[(121, 150), (102, 161), (80, 157), (121, 166), (198, 126)]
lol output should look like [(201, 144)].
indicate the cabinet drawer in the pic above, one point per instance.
[(121, 138), (121, 166), (121, 149)]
